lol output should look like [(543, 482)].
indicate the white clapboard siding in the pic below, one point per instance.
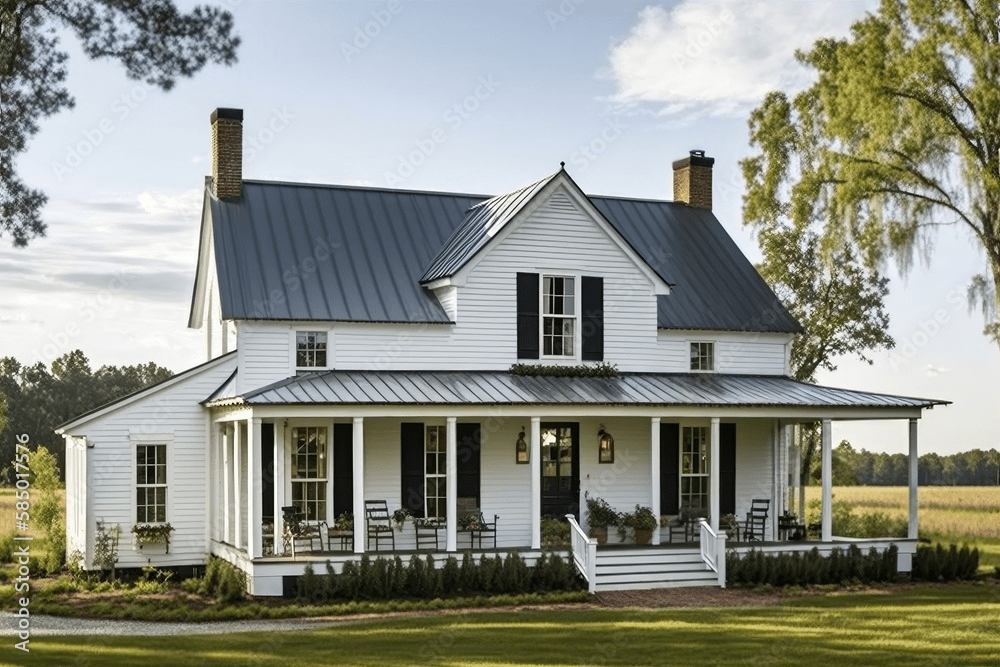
[(172, 411), (754, 472), (748, 353), (265, 355)]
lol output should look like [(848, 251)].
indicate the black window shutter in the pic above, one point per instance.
[(343, 469), (727, 469), (412, 467), (592, 309), (469, 445), (267, 469), (527, 316), (670, 438)]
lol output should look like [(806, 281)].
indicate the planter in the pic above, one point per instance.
[(643, 536), (600, 534)]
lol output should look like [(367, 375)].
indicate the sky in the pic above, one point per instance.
[(459, 96)]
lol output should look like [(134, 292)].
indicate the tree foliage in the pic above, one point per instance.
[(863, 468), (153, 40), (39, 399), (899, 135)]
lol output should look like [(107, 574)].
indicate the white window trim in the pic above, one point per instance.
[(577, 340), (442, 433), (328, 427), (715, 355), (680, 462), (293, 348), (136, 439)]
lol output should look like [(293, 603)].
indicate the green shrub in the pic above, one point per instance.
[(811, 568), (937, 563), (223, 582), (7, 548)]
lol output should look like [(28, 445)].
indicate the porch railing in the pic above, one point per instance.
[(584, 552), (713, 550)]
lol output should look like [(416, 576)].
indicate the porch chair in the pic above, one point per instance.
[(427, 534), (756, 521), (379, 524), (346, 537), (472, 521), (297, 531)]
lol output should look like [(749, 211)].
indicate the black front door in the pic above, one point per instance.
[(560, 469)]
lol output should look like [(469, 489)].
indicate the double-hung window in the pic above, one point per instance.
[(435, 473), (694, 469), (310, 349), (703, 356), (559, 315), (309, 476), (151, 483)]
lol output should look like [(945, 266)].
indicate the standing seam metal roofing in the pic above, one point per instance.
[(502, 388), (288, 251)]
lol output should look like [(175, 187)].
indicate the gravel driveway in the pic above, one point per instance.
[(48, 626)]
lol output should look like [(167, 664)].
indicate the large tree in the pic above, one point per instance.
[(900, 135), (153, 40)]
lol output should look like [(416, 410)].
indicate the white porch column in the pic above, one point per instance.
[(826, 467), (536, 483), (913, 526), (254, 474), (238, 484), (799, 486), (451, 466), (654, 474), (713, 484), (279, 487), (360, 530), (227, 474)]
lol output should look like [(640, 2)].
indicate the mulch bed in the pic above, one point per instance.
[(695, 596)]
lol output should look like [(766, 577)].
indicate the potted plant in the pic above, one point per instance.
[(728, 523), (642, 522), (152, 533), (600, 515), (344, 522), (400, 516)]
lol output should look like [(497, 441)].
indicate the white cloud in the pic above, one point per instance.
[(185, 205), (722, 57), (930, 370)]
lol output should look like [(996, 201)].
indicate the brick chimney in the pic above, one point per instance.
[(227, 153), (693, 180)]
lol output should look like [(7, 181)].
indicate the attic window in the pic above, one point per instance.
[(558, 316), (703, 356), (310, 349)]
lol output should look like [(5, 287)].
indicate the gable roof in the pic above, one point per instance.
[(292, 251)]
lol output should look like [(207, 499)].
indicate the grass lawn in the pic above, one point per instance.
[(938, 625)]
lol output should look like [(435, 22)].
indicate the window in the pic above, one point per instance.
[(694, 469), (151, 483), (310, 349), (703, 356), (435, 473), (309, 472), (558, 316)]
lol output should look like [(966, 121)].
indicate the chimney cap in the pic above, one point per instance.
[(695, 158), (229, 114)]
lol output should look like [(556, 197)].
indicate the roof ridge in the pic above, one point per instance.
[(367, 188)]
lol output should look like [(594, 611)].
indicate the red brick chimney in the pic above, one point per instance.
[(227, 153), (693, 180)]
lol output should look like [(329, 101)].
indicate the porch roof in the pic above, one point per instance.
[(502, 388)]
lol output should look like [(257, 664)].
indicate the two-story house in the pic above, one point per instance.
[(361, 343)]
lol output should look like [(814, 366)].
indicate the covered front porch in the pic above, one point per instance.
[(517, 449)]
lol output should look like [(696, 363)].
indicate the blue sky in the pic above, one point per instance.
[(479, 97)]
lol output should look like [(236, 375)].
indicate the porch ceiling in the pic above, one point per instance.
[(502, 388)]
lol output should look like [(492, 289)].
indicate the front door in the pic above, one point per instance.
[(560, 469)]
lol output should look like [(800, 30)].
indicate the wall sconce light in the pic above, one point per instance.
[(605, 447), (521, 448)]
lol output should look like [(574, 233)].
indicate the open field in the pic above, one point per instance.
[(953, 625), (8, 509), (959, 514)]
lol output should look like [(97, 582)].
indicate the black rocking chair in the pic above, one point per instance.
[(756, 522), (379, 524)]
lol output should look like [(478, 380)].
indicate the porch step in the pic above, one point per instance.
[(632, 569)]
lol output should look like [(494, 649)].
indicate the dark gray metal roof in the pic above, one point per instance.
[(318, 252), (481, 224), (291, 251), (502, 388), (714, 285)]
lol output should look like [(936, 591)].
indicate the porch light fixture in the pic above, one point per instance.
[(521, 448), (605, 447)]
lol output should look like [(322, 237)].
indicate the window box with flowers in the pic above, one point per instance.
[(152, 533)]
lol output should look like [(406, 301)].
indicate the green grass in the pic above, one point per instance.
[(953, 625)]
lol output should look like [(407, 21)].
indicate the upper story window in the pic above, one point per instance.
[(558, 316), (310, 349), (703, 356)]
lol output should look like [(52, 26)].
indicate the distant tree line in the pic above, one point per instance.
[(863, 468), (36, 399)]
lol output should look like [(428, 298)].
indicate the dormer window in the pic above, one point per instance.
[(703, 356), (310, 349), (558, 316)]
